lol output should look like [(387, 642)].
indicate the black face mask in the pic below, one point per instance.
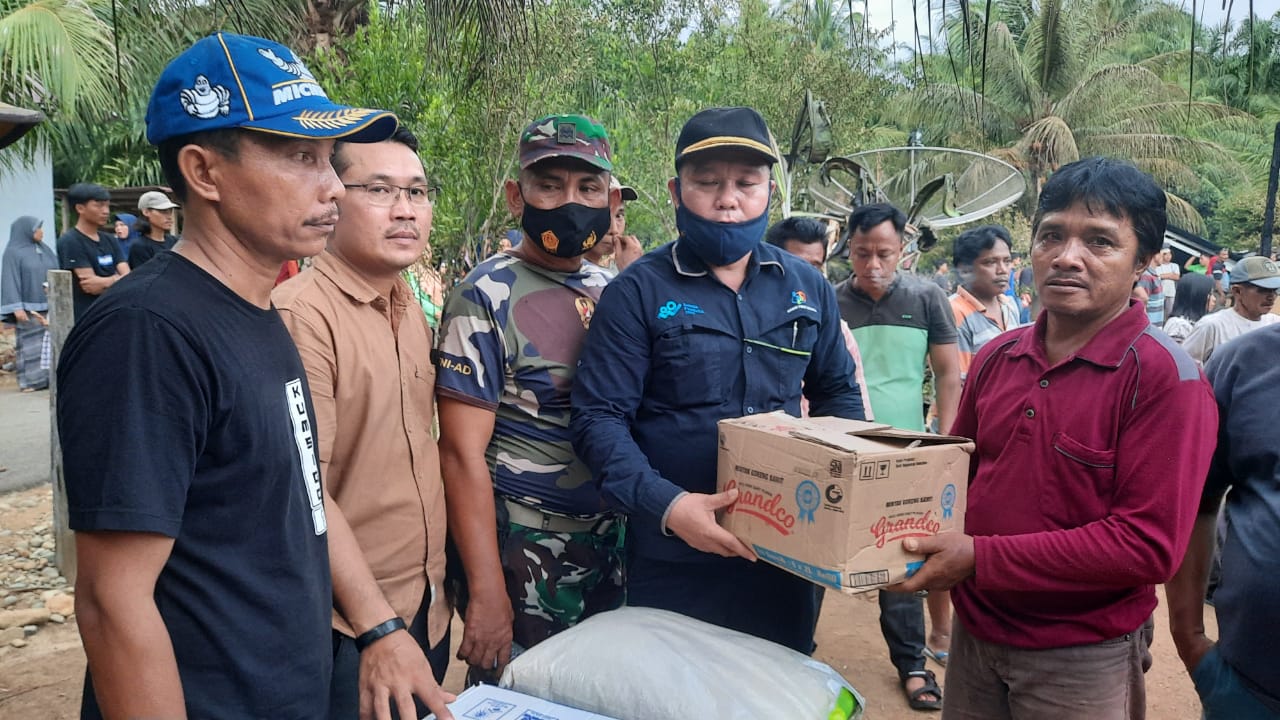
[(567, 231)]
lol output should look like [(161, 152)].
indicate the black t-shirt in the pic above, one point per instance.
[(224, 461), (77, 250), (143, 249)]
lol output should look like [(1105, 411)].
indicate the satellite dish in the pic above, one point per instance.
[(938, 187), (935, 187)]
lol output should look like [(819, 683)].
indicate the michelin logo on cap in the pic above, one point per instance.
[(205, 101), (303, 86), (229, 81)]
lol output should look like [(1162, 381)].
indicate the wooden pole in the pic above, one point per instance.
[(1269, 214), (61, 318)]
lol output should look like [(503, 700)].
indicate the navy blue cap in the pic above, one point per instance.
[(739, 128), (239, 81)]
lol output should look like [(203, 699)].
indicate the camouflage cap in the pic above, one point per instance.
[(576, 136)]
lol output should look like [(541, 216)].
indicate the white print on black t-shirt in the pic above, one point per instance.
[(297, 402)]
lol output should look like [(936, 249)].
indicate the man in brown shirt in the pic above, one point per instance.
[(366, 346)]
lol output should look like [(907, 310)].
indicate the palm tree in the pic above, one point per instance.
[(825, 24), (90, 64), (56, 55), (1055, 91)]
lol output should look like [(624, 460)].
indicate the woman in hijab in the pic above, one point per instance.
[(125, 231), (25, 266)]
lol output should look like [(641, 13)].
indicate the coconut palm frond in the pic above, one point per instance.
[(1153, 145), (493, 26), (1099, 90), (1009, 155), (1051, 141), (1050, 50), (949, 109), (1170, 62), (1169, 172), (1183, 214), (1171, 115), (878, 136), (58, 56), (1008, 75)]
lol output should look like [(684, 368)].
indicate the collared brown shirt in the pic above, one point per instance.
[(368, 361)]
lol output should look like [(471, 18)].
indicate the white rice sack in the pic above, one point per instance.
[(646, 664)]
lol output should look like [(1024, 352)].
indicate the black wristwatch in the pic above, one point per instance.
[(377, 632)]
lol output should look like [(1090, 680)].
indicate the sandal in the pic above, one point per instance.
[(938, 656), (915, 697)]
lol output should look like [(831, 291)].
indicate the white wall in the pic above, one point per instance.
[(27, 190)]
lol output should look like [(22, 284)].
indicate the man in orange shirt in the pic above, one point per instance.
[(366, 347), (982, 309)]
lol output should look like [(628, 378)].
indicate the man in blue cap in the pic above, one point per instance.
[(714, 325), (204, 576)]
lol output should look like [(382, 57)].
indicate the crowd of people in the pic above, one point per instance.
[(324, 480), (96, 257)]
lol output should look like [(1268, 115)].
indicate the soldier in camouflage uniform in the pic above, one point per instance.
[(539, 552)]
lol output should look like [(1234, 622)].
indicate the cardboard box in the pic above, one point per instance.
[(831, 500), (489, 702)]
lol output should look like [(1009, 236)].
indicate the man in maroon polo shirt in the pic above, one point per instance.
[(1093, 434)]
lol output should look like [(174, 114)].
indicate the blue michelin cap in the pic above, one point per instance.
[(239, 81)]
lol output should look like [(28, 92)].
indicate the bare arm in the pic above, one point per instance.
[(945, 361), (90, 283), (465, 431), (1185, 594), (122, 269), (135, 673), (393, 669)]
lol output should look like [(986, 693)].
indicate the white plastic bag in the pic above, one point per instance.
[(646, 664)]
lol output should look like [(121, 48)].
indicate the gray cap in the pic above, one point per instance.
[(1257, 270), (155, 200), (628, 192)]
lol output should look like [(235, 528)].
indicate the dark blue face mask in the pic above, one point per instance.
[(717, 243)]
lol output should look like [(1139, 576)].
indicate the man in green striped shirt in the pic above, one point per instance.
[(900, 321)]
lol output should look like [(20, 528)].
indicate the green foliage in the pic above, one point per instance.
[(1037, 82), (1062, 88), (55, 56), (1237, 220), (642, 67)]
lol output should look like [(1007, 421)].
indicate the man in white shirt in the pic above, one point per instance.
[(1254, 281), (1169, 273)]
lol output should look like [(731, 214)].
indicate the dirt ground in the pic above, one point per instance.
[(42, 681)]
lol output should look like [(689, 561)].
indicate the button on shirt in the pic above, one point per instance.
[(368, 360), (672, 351), (1084, 482)]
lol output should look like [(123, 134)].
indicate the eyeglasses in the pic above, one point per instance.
[(385, 194)]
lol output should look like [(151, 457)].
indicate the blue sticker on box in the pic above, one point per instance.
[(807, 498), (948, 500)]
